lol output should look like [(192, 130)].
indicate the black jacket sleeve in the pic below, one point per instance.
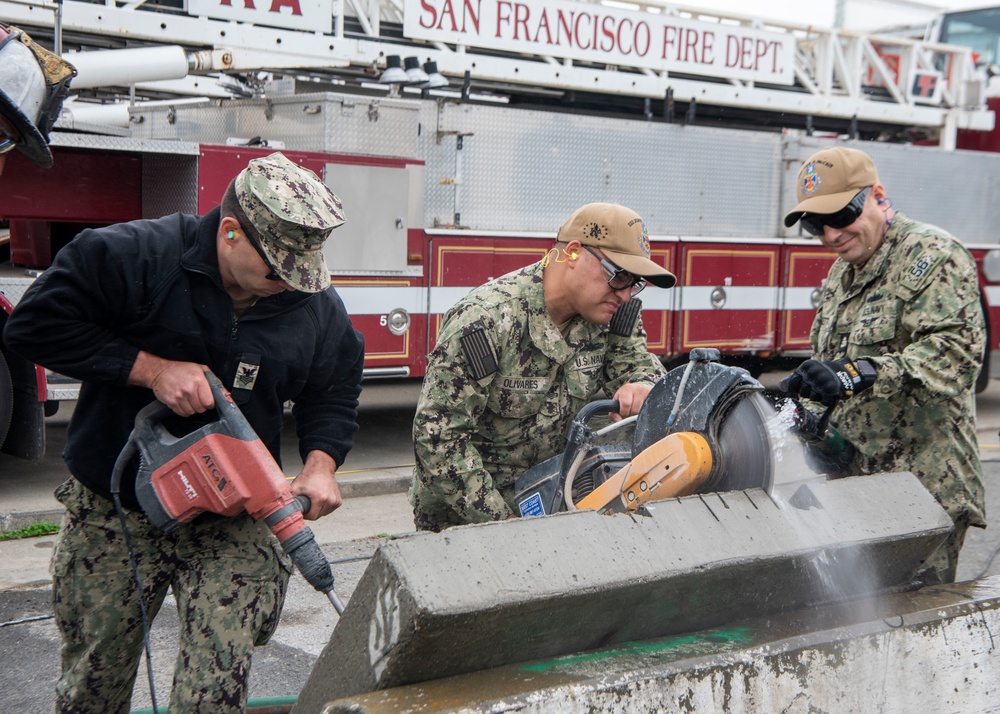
[(326, 409), (67, 320)]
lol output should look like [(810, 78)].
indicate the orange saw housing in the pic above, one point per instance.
[(674, 466)]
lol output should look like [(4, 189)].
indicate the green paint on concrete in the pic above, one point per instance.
[(734, 636)]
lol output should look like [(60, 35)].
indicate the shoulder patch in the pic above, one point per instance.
[(923, 265), (623, 323), (479, 352)]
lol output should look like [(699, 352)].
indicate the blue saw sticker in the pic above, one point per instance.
[(532, 506)]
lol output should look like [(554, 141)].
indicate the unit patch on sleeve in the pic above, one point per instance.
[(914, 276), (479, 352)]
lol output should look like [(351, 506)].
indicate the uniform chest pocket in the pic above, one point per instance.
[(875, 329), (584, 384)]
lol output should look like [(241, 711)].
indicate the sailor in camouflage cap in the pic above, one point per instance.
[(242, 292), (898, 341), (292, 212), (517, 358)]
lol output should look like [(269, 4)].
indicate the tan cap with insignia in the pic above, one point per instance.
[(294, 212), (621, 235), (829, 179)]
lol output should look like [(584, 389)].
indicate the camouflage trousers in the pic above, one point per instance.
[(942, 565), (228, 575), (435, 522)]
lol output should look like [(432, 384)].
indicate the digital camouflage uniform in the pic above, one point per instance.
[(913, 310), (501, 388)]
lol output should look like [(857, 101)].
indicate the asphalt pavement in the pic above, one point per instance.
[(373, 481)]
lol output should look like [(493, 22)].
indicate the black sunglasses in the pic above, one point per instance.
[(813, 223), (619, 279), (273, 275)]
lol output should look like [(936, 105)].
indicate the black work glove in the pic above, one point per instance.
[(829, 382)]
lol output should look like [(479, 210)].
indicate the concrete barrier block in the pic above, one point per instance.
[(930, 650), (482, 596)]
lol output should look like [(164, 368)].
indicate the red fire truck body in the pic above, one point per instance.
[(445, 190)]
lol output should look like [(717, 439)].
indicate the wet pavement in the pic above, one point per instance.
[(375, 508)]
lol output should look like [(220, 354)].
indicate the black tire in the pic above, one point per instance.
[(6, 398)]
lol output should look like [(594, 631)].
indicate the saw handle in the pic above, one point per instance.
[(601, 406), (808, 426), (579, 441), (579, 436), (824, 421)]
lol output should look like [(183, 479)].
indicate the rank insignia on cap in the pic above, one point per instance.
[(811, 180), (596, 231)]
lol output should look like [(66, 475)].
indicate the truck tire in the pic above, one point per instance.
[(6, 398)]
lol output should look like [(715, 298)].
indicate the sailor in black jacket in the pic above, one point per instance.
[(139, 311)]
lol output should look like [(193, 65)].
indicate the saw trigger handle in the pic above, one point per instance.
[(601, 406), (807, 426)]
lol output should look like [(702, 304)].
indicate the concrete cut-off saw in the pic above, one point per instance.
[(702, 428)]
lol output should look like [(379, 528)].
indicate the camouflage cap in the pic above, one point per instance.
[(294, 212), (621, 235), (829, 179)]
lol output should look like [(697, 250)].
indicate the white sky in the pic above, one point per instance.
[(858, 14)]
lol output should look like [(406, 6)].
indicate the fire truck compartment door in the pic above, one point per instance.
[(373, 237)]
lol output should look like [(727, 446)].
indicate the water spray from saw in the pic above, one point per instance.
[(704, 428)]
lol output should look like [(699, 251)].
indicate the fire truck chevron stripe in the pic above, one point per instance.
[(479, 352)]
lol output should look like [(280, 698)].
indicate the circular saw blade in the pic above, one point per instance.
[(743, 446)]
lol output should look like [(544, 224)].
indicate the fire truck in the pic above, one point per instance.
[(461, 133)]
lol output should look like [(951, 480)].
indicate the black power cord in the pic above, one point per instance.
[(142, 598), (989, 562), (128, 452)]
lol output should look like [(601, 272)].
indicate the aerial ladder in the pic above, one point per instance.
[(661, 54)]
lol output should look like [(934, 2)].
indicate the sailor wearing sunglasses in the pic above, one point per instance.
[(517, 358), (898, 341)]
